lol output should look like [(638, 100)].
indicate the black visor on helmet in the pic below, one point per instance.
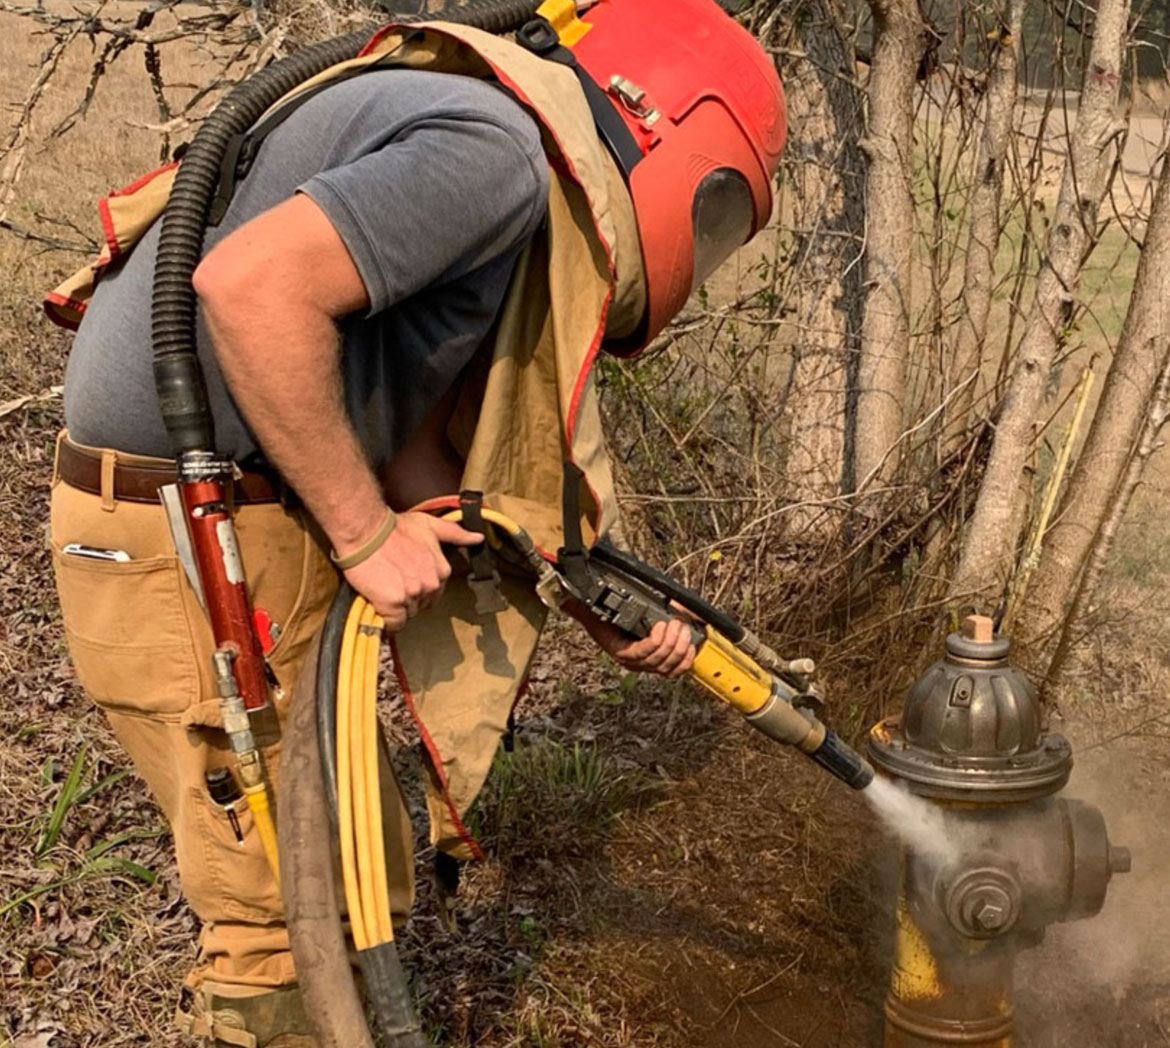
[(721, 215)]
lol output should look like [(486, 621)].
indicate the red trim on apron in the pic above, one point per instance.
[(138, 183), (109, 234), (378, 37), (54, 304), (433, 754), (108, 230)]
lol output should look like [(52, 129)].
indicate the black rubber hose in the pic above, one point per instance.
[(651, 576), (327, 666), (388, 992), (308, 881), (178, 377)]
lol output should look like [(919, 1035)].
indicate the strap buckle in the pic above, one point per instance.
[(539, 36), (485, 577)]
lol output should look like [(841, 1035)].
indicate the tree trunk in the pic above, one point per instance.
[(824, 171), (1154, 419), (983, 239), (1114, 430), (888, 145), (989, 550)]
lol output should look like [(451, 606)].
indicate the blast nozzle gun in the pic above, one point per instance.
[(731, 662)]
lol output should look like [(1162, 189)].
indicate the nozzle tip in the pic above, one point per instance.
[(864, 775), (844, 762)]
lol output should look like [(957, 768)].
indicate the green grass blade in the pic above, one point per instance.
[(90, 869), (110, 864), (97, 787), (65, 800), (29, 730), (98, 850), (132, 868)]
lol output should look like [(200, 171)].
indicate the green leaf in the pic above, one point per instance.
[(90, 869), (132, 868), (27, 731)]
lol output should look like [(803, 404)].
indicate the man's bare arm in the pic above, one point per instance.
[(272, 292)]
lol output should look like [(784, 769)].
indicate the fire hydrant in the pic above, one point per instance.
[(1013, 857)]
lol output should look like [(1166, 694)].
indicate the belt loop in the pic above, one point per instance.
[(62, 436), (109, 460)]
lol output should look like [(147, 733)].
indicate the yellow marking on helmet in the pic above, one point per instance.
[(562, 15)]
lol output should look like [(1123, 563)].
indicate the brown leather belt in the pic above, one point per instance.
[(82, 468)]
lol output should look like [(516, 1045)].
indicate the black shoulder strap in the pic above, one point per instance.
[(573, 557), (242, 149), (539, 37)]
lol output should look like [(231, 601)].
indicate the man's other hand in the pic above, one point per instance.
[(667, 650), (408, 571)]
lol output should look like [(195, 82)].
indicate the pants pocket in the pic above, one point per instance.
[(127, 632), (223, 879)]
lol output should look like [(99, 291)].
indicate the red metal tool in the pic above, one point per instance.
[(204, 487)]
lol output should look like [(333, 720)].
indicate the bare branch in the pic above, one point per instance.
[(87, 247)]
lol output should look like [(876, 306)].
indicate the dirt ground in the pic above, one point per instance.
[(657, 876)]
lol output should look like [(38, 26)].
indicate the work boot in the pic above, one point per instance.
[(275, 1019)]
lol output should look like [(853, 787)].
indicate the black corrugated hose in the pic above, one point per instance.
[(307, 838)]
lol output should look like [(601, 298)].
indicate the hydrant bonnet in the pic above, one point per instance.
[(971, 728)]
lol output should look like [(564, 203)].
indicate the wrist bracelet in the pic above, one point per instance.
[(368, 548)]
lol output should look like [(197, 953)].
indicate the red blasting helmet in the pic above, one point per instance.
[(705, 108)]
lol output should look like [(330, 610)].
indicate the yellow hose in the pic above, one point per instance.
[(492, 516), (359, 796), (262, 819), (345, 811), (374, 842), (358, 729)]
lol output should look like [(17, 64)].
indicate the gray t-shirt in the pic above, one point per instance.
[(434, 182)]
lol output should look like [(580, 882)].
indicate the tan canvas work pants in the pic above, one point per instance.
[(141, 647)]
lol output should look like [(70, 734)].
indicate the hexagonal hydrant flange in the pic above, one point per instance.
[(970, 738)]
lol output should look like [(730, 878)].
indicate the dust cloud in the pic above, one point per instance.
[(1105, 980), (918, 823)]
